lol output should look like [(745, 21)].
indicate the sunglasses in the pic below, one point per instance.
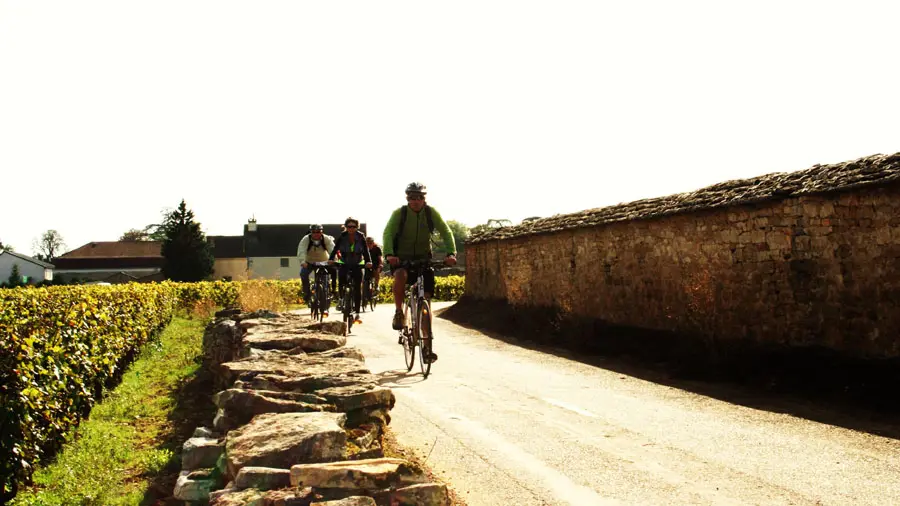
[(411, 199), (352, 226)]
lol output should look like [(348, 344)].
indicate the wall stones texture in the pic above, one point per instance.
[(799, 259)]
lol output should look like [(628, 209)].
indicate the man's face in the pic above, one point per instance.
[(416, 201), (316, 235), (370, 244)]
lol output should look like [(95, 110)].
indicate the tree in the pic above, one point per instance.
[(187, 255), (460, 233), (6, 247), (152, 232), (15, 277), (48, 246)]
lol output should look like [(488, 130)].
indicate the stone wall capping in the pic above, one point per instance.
[(875, 170)]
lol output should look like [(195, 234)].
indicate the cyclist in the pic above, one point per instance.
[(351, 245), (314, 247), (377, 261), (407, 236)]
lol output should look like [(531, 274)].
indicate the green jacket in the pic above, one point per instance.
[(415, 241)]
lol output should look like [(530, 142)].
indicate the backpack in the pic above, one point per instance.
[(403, 212), (310, 245)]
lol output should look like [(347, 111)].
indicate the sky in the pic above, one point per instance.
[(112, 112)]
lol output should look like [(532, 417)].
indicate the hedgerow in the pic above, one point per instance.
[(61, 345)]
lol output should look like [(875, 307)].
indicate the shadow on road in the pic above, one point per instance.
[(833, 396), (399, 378)]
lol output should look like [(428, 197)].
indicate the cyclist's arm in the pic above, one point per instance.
[(301, 249), (367, 255), (329, 243), (390, 230), (335, 247), (441, 226)]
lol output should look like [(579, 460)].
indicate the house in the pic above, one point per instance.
[(271, 250), (230, 261), (31, 270), (113, 262)]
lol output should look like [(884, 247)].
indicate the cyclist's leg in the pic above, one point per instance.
[(400, 277), (356, 276), (304, 280)]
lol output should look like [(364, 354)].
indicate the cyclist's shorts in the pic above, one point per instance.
[(429, 279)]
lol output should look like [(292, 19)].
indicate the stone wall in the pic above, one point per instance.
[(799, 259)]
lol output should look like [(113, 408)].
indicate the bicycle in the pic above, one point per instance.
[(320, 301), (346, 298), (370, 290), (418, 332)]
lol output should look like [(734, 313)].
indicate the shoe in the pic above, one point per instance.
[(399, 320), (431, 358), (356, 318)]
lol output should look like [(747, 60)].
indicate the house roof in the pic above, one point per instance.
[(123, 263), (117, 249), (226, 246), (282, 240), (27, 259)]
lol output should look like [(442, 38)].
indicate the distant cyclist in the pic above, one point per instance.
[(354, 254), (314, 247), (377, 260), (407, 236)]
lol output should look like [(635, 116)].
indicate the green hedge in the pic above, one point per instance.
[(58, 347)]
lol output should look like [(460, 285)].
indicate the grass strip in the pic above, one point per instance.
[(128, 451)]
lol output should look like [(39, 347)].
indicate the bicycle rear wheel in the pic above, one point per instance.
[(322, 297), (373, 294), (347, 313), (423, 329), (409, 343)]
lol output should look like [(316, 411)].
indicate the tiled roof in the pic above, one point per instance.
[(117, 249), (226, 246), (282, 240), (122, 263), (27, 259), (868, 171)]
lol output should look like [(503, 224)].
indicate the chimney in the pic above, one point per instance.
[(251, 225)]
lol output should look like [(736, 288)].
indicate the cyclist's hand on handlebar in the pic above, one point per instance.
[(304, 265), (394, 261), (368, 265), (450, 260), (331, 262)]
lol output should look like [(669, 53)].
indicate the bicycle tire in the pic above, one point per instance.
[(346, 313), (322, 297), (373, 294), (409, 342), (425, 335)]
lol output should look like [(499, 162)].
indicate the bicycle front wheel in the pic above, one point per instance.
[(409, 342), (322, 298), (373, 294), (423, 329)]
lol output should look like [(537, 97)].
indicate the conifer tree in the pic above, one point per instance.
[(188, 256)]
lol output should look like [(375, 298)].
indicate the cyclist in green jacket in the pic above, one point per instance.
[(407, 236)]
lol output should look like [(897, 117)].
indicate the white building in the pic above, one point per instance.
[(31, 270)]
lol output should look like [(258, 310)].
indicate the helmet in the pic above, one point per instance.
[(315, 228), (416, 187)]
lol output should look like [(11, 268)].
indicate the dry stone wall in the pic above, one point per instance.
[(300, 422), (810, 258)]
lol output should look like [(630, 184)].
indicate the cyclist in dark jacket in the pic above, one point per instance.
[(377, 261), (353, 250)]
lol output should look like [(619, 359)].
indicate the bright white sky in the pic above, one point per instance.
[(296, 112)]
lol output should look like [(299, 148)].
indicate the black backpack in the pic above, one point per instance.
[(403, 212)]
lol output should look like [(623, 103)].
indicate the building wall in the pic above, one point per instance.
[(813, 270), (35, 273), (235, 268), (270, 268)]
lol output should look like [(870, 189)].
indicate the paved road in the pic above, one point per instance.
[(511, 426)]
